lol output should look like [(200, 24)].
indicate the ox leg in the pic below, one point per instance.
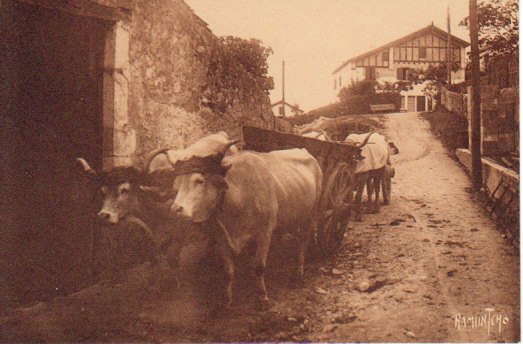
[(386, 183), (360, 185), (370, 192), (303, 242), (173, 259), (260, 261), (226, 255), (376, 187)]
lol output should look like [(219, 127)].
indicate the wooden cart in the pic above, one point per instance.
[(337, 161)]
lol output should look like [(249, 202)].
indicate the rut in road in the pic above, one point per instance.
[(444, 250), (401, 276)]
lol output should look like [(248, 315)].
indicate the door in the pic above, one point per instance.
[(420, 103), (411, 103), (370, 73)]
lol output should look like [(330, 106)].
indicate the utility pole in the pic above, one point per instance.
[(449, 56), (283, 87), (475, 135)]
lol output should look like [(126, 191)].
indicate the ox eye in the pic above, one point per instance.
[(199, 181), (124, 191)]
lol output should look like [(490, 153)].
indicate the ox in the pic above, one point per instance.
[(138, 198), (372, 171), (247, 196), (142, 198)]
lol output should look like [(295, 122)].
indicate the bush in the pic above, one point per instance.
[(450, 128), (354, 100)]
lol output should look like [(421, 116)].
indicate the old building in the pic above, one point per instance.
[(394, 62), (106, 80)]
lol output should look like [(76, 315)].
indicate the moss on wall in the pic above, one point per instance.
[(174, 60)]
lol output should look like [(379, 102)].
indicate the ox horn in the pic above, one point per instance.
[(86, 166), (227, 146), (150, 158), (327, 137), (365, 141), (172, 160)]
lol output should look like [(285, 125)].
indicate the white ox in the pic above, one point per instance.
[(247, 196), (373, 170)]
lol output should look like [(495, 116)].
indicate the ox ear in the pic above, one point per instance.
[(218, 181)]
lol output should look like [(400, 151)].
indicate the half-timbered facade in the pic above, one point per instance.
[(395, 62)]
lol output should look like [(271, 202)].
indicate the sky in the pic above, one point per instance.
[(314, 37)]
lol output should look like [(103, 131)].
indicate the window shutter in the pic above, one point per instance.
[(399, 75)]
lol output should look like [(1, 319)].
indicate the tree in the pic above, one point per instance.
[(434, 77), (357, 97), (436, 73), (498, 28), (238, 70), (252, 55), (358, 88)]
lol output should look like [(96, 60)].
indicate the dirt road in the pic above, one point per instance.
[(416, 272)]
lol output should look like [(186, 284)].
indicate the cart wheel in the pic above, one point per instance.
[(334, 212)]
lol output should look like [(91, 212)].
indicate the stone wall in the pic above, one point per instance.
[(170, 56), (454, 102), (499, 120)]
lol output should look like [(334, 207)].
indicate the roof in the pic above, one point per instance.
[(293, 107), (426, 30)]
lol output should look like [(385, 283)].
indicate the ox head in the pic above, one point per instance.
[(200, 184), (393, 149), (123, 189)]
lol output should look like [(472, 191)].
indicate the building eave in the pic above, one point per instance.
[(426, 30)]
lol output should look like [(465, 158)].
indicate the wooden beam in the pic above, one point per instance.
[(112, 10), (475, 133)]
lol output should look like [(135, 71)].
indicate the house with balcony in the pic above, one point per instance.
[(396, 60)]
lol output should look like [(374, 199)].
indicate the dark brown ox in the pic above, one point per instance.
[(247, 196), (139, 198)]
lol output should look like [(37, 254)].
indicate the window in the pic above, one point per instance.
[(385, 56), (334, 83), (402, 74), (370, 73), (422, 52)]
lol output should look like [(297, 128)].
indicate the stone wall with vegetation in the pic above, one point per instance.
[(178, 87)]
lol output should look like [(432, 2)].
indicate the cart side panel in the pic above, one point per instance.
[(263, 140)]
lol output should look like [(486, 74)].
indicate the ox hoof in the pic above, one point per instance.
[(219, 311), (296, 282), (263, 304)]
